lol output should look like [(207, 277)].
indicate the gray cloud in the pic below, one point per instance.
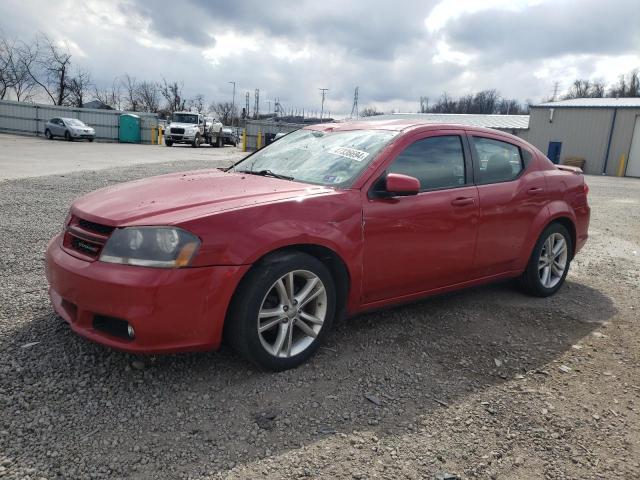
[(550, 30), (382, 47)]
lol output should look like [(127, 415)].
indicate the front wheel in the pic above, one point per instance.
[(549, 262), (196, 142), (282, 311), (47, 133), (67, 136), (168, 143), (219, 142)]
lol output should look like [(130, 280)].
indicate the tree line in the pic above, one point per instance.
[(491, 102), (43, 70)]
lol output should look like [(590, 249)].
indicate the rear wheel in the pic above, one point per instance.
[(282, 311), (549, 262), (47, 133)]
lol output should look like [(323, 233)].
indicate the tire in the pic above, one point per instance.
[(168, 143), (47, 133), (282, 332), (543, 276), (68, 137), (196, 142), (219, 142), (90, 140)]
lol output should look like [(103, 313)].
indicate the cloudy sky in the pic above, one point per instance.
[(395, 51)]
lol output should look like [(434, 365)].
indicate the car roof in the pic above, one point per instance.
[(401, 125)]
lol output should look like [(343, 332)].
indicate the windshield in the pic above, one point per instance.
[(184, 118), (74, 123), (325, 158)]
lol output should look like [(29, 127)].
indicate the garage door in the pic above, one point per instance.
[(633, 166)]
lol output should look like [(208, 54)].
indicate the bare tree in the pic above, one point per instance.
[(148, 95), (223, 110), (7, 51), (370, 112), (78, 88), (110, 96), (172, 93), (50, 70), (15, 57), (196, 103), (626, 88), (130, 87)]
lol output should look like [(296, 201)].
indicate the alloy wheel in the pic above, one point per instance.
[(553, 260), (292, 313)]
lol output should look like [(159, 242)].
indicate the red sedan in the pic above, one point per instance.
[(326, 222)]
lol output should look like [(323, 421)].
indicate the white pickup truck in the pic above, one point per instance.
[(194, 129)]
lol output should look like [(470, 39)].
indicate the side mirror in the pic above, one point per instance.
[(399, 185)]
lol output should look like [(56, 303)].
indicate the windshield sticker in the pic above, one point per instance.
[(332, 179), (351, 153)]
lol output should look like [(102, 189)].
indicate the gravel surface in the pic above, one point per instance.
[(484, 383)]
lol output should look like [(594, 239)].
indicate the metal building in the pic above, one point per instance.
[(603, 131)]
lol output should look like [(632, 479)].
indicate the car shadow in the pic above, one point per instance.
[(378, 371)]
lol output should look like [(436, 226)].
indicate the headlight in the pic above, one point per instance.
[(165, 247)]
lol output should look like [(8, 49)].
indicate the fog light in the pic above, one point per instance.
[(130, 331)]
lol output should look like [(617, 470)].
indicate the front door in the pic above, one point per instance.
[(553, 152), (420, 243)]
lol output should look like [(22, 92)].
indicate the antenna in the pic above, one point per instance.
[(354, 108), (323, 93)]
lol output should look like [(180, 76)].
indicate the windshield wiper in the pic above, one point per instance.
[(266, 173)]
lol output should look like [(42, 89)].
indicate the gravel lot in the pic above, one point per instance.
[(484, 383)]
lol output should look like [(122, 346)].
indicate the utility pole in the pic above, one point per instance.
[(354, 108), (246, 108), (323, 93), (233, 103), (256, 107)]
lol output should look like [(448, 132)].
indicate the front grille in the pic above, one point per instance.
[(95, 227), (86, 238), (177, 130)]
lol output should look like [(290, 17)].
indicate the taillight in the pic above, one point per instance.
[(585, 188)]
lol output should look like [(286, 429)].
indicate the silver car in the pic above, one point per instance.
[(69, 128)]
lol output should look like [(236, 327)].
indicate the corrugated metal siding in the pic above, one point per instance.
[(29, 119), (584, 132), (621, 139), (266, 127)]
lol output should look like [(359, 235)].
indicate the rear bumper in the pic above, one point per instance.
[(171, 310)]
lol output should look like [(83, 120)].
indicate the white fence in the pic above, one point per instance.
[(29, 119)]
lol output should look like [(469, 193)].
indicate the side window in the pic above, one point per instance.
[(498, 161), (438, 162)]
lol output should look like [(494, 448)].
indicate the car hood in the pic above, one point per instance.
[(178, 197), (181, 125)]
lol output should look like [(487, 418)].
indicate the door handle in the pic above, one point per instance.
[(535, 190), (463, 201)]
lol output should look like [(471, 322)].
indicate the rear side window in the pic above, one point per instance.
[(438, 162), (498, 161)]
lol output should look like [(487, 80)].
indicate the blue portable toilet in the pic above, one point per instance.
[(129, 131)]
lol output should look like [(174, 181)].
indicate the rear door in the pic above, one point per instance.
[(419, 243), (510, 198)]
